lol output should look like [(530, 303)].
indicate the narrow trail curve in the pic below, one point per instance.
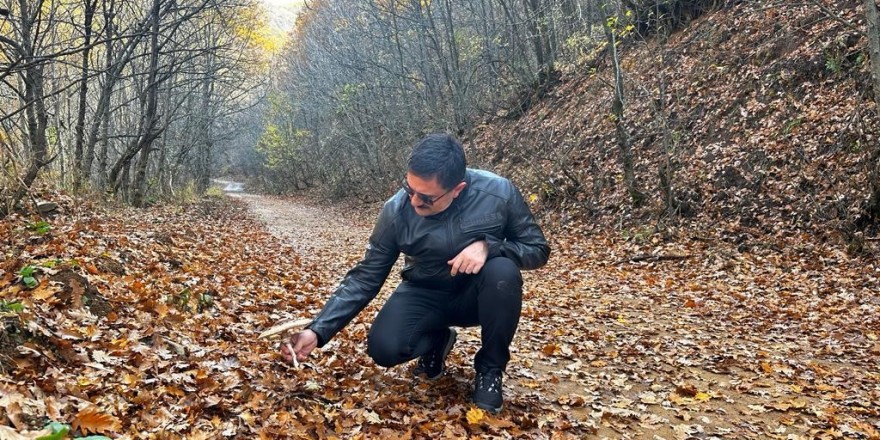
[(306, 227)]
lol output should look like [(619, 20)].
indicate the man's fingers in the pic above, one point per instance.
[(463, 265), (287, 352), (302, 356), (474, 268), (300, 352), (293, 355), (456, 264)]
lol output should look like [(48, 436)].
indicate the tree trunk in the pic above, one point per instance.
[(874, 47), (105, 147), (78, 171), (36, 115), (150, 130), (114, 65), (203, 152), (534, 30), (459, 108), (140, 177), (526, 74), (162, 165), (617, 109)]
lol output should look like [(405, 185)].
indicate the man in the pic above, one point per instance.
[(465, 234)]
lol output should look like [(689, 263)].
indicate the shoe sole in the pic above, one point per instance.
[(489, 408), (446, 350)]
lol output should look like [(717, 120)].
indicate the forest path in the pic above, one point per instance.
[(718, 345)]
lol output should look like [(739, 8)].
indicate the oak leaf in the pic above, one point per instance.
[(91, 420)]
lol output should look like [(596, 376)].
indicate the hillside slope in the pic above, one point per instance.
[(770, 123)]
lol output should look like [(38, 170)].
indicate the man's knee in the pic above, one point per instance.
[(503, 275), (384, 351)]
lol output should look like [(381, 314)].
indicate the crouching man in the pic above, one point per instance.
[(466, 234)]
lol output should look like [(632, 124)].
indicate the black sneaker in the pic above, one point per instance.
[(487, 391), (432, 363)]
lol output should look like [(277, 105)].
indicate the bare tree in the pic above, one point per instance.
[(89, 7), (24, 51), (624, 144), (874, 48)]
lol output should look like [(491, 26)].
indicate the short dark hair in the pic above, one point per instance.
[(439, 155)]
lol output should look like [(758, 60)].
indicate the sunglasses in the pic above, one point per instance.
[(427, 200)]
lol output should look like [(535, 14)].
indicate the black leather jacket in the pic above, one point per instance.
[(489, 208)]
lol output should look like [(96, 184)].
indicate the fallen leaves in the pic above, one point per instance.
[(602, 350)]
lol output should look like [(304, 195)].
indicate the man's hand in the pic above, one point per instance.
[(302, 343), (471, 259)]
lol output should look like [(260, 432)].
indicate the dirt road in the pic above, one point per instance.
[(716, 344)]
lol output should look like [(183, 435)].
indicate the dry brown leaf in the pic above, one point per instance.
[(91, 420)]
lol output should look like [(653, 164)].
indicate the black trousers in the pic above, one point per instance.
[(414, 319)]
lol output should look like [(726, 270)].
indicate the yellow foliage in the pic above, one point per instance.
[(475, 415), (394, 5), (253, 27)]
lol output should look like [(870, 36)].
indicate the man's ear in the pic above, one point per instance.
[(459, 188)]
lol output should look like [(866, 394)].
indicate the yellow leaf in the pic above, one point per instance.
[(247, 417), (798, 403), (702, 397), (475, 415), (533, 198)]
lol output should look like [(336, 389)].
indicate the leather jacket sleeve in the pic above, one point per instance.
[(523, 242), (362, 283)]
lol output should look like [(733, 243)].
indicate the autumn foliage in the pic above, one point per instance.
[(144, 324), (743, 317)]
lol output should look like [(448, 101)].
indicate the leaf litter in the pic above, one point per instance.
[(772, 344)]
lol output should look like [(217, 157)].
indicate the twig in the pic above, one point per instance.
[(654, 258), (292, 355)]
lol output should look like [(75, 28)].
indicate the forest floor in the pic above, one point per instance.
[(144, 324)]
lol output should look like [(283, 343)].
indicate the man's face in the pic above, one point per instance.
[(422, 192)]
